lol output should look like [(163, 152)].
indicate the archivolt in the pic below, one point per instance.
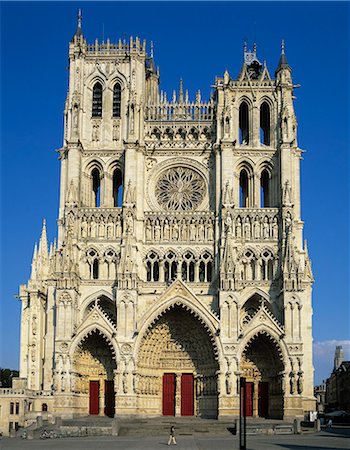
[(172, 306), (271, 338)]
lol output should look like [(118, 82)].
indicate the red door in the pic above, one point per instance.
[(249, 390), (187, 404), (94, 397), (169, 394), (109, 398), (263, 402)]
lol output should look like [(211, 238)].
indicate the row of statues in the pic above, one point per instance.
[(179, 229), (250, 227)]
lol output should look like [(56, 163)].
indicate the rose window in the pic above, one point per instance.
[(180, 189)]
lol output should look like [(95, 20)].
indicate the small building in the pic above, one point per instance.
[(338, 384)]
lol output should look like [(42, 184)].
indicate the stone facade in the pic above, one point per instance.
[(179, 248)]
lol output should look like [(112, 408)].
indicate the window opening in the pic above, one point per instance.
[(95, 269), (117, 188), (243, 189), (265, 124), (244, 124), (117, 100), (96, 187), (97, 100), (265, 189)]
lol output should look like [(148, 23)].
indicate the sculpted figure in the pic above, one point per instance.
[(256, 228), (157, 231), (247, 228), (192, 231), (166, 232), (266, 228)]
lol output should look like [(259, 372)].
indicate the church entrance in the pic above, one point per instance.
[(177, 354), (186, 394), (262, 367), (93, 376), (263, 398)]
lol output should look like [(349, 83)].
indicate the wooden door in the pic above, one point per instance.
[(263, 401), (94, 397), (169, 394), (249, 391), (109, 398), (187, 397)]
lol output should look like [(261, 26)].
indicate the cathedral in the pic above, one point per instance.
[(179, 265)]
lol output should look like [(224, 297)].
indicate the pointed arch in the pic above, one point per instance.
[(265, 123), (97, 100), (244, 125), (87, 331), (117, 100), (208, 320)]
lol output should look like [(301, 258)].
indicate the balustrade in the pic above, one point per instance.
[(180, 111)]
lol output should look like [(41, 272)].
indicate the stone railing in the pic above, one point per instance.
[(120, 48), (180, 112), (251, 224), (179, 227)]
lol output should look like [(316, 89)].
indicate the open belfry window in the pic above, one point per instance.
[(265, 189), (265, 124), (117, 188), (244, 123), (243, 189), (117, 100), (96, 187), (97, 100)]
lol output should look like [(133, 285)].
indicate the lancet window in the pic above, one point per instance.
[(96, 187), (249, 266), (111, 263), (188, 265), (117, 100), (243, 189), (92, 258), (265, 189), (267, 265), (97, 100), (244, 123), (117, 188), (170, 267), (152, 264), (205, 268), (265, 124)]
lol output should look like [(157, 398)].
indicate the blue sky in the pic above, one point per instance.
[(194, 41)]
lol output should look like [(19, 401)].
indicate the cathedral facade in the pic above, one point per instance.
[(180, 265)]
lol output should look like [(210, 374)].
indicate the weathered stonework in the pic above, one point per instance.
[(179, 248)]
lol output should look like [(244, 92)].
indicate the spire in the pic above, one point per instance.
[(283, 63), (34, 263), (43, 245), (80, 19), (151, 55), (181, 92), (79, 31)]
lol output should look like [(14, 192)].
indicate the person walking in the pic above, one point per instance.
[(172, 436)]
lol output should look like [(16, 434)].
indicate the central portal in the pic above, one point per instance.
[(177, 369), (186, 394)]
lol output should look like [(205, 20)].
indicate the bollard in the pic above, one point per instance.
[(115, 427), (317, 425)]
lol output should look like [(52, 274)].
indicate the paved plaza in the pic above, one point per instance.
[(336, 439)]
